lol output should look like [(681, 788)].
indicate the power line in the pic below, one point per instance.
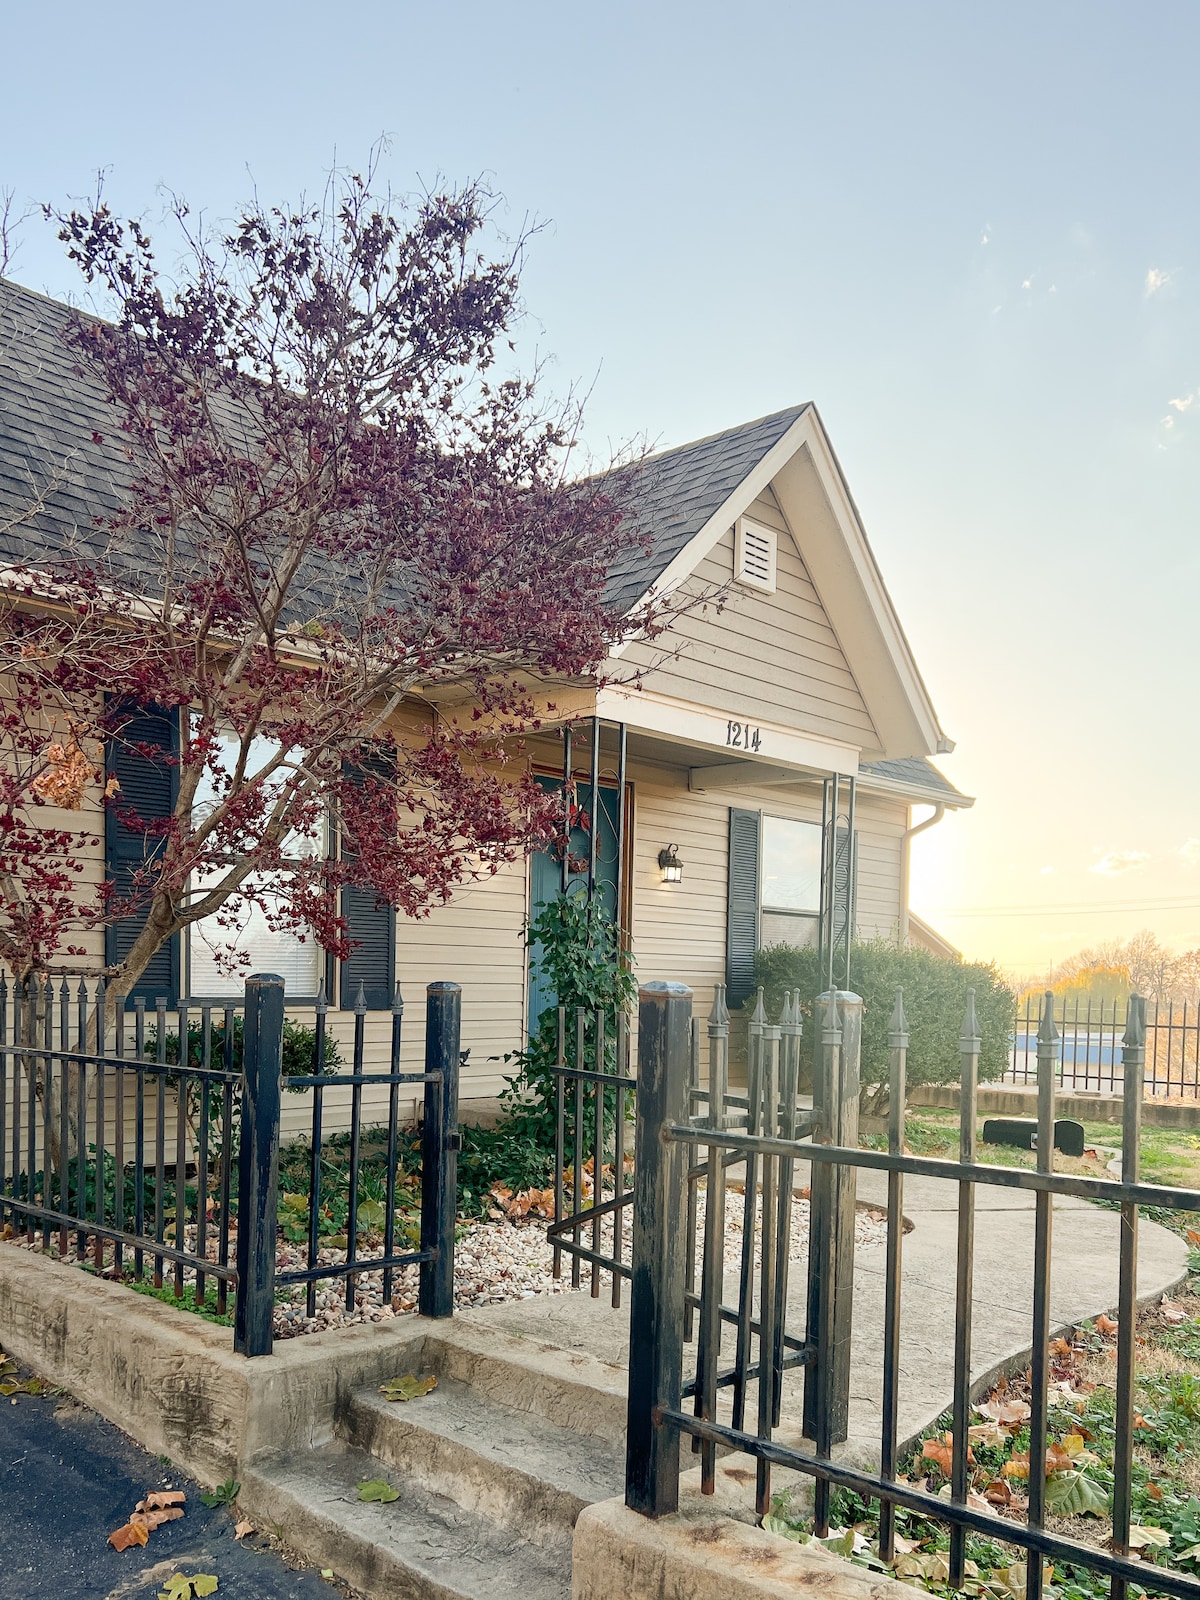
[(1083, 909)]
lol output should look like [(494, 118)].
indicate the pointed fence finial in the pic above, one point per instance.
[(718, 1017), (322, 998), (785, 1015), (758, 1017), (360, 1002), (898, 1022), (1047, 1030), (969, 1032), (398, 1000), (1134, 1037)]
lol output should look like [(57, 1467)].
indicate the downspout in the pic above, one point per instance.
[(939, 811)]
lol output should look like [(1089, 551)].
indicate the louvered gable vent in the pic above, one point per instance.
[(755, 554)]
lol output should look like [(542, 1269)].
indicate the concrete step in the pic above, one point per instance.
[(570, 1388), (512, 1466), (421, 1547)]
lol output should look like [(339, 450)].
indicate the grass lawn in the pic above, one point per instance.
[(1079, 1477), (1168, 1155)]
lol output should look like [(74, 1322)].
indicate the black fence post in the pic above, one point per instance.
[(439, 1149), (834, 1191), (659, 1233), (258, 1165)]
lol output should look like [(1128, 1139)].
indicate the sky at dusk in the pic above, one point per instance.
[(970, 234)]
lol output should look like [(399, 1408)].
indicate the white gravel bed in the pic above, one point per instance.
[(493, 1262)]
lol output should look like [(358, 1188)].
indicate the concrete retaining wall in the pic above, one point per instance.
[(1014, 1100), (172, 1382)]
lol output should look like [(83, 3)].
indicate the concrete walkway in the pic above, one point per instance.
[(1083, 1284)]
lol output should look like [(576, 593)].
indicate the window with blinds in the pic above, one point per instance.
[(755, 554)]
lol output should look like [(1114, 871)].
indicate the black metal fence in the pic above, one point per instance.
[(148, 1141), (667, 1139), (1090, 1048), (593, 1098)]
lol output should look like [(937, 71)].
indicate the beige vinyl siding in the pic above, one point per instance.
[(679, 930), (475, 940), (772, 657)]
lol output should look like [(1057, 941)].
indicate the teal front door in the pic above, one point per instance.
[(546, 874)]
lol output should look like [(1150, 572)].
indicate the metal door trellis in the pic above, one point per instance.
[(668, 1137)]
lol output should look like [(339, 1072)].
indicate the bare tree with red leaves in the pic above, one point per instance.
[(350, 555)]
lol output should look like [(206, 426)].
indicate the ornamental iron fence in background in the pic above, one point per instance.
[(1090, 1047), (148, 1140), (669, 1135)]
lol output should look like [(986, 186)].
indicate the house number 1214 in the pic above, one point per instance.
[(742, 736)]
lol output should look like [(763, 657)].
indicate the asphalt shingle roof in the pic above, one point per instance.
[(672, 495), (917, 773), (48, 414)]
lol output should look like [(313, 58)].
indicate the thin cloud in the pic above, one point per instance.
[(1156, 279), (1189, 850), (1185, 404), (1119, 861)]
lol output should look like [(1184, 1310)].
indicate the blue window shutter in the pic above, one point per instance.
[(741, 926), (149, 787), (371, 928)]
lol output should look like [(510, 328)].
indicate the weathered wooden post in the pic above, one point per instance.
[(659, 1201), (258, 1164), (439, 1149), (831, 1238)]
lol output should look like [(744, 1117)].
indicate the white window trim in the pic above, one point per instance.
[(756, 551)]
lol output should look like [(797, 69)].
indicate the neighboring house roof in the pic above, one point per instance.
[(673, 495), (927, 938), (914, 776)]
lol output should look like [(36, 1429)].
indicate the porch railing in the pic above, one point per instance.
[(667, 1139)]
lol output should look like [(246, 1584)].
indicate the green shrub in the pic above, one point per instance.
[(299, 1058), (935, 999)]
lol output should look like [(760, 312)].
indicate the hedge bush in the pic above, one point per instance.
[(935, 999)]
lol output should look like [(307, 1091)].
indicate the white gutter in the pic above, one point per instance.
[(939, 811)]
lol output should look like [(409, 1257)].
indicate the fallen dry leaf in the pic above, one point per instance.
[(998, 1493), (132, 1533), (1008, 1413), (988, 1435), (242, 1529), (161, 1498), (1153, 1492), (1105, 1324), (1171, 1313), (155, 1519)]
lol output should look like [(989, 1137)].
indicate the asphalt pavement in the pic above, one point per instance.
[(68, 1478)]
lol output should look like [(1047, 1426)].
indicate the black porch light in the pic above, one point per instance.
[(670, 864)]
